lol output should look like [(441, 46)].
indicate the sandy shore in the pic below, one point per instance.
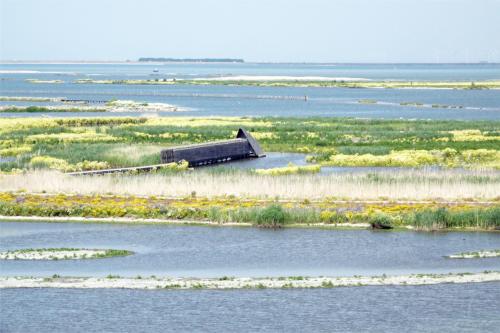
[(475, 255), (243, 283), (112, 106), (114, 220), (133, 106), (51, 255), (29, 99), (164, 221), (280, 78)]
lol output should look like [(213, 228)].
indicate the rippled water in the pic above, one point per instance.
[(190, 251), (440, 308), (263, 101)]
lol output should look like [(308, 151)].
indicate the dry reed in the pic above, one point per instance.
[(403, 185)]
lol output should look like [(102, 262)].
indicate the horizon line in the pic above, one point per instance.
[(80, 61)]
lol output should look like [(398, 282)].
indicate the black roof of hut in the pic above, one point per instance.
[(242, 147)]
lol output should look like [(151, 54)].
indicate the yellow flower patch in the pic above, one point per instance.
[(472, 135), (289, 170), (88, 136)]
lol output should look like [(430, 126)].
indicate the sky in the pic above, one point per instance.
[(256, 30)]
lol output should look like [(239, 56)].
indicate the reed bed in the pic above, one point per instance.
[(417, 184)]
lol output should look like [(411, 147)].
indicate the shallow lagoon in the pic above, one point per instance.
[(192, 251), (213, 100), (204, 101), (459, 308), (278, 160)]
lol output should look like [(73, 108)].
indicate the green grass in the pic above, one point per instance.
[(442, 218), (271, 217), (107, 139)]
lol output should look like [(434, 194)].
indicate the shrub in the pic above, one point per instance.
[(328, 216), (90, 165), (271, 217), (381, 221), (47, 162), (174, 167)]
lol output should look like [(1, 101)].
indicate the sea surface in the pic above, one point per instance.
[(215, 100), (433, 308), (202, 251)]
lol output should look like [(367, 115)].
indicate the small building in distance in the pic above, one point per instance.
[(242, 147)]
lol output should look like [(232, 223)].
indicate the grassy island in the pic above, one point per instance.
[(493, 84), (83, 106), (230, 283), (61, 254)]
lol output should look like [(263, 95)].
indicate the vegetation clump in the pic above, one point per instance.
[(271, 217), (381, 221), (289, 170), (41, 162)]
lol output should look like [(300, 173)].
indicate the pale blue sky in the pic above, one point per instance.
[(257, 30)]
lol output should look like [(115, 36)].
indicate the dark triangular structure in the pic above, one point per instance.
[(243, 134), (243, 146)]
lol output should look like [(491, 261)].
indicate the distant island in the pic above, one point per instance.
[(190, 60)]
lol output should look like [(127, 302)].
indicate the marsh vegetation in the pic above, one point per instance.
[(264, 213), (269, 82), (422, 198), (122, 142)]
